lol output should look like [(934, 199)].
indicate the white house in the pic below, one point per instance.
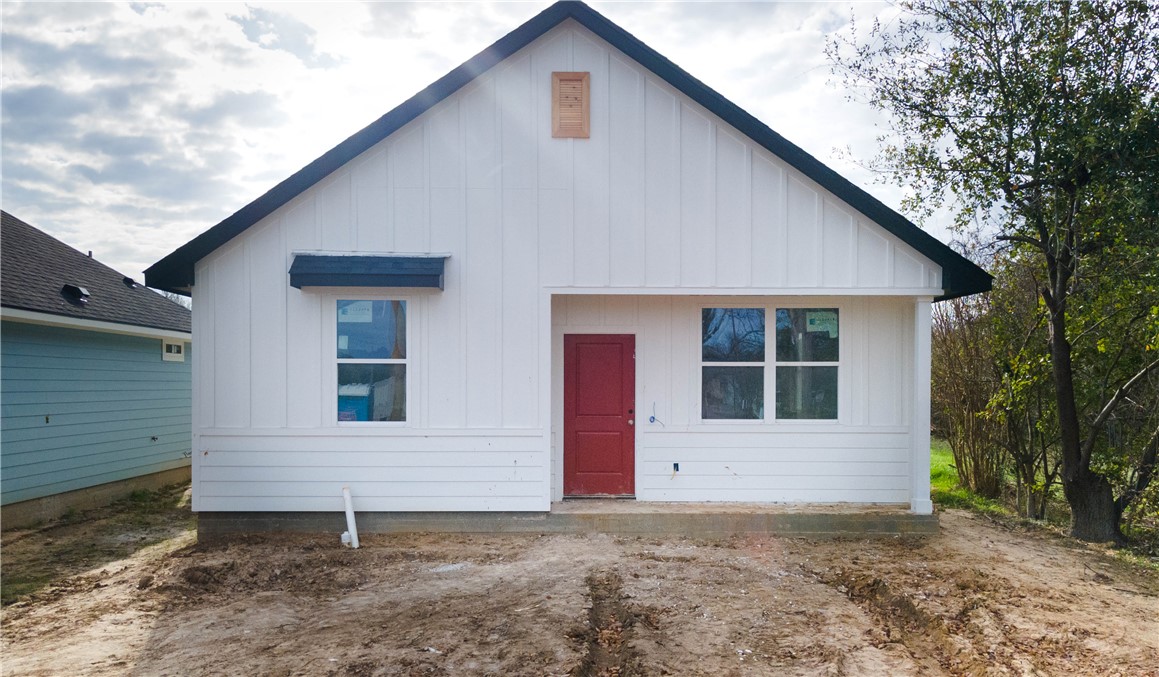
[(550, 274)]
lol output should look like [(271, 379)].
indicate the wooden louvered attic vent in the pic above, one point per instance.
[(570, 105)]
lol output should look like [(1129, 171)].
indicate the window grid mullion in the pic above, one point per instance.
[(707, 363), (807, 364)]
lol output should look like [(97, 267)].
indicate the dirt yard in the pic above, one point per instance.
[(978, 599)]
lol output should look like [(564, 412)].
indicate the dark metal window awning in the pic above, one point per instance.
[(382, 270)]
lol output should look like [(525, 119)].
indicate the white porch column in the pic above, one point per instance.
[(920, 435), (546, 419)]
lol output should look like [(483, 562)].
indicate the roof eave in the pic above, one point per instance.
[(964, 281), (36, 316)]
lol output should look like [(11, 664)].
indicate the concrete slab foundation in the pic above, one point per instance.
[(629, 518)]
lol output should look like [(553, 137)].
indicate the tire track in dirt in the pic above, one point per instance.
[(963, 644), (924, 636), (610, 629)]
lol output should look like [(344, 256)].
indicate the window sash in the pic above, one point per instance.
[(396, 367), (792, 362), (733, 389), (805, 391), (735, 393)]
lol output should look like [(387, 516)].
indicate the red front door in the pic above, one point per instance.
[(599, 412)]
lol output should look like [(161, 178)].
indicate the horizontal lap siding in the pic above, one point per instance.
[(406, 471), (821, 466), (374, 504), (106, 397), (766, 467), (29, 447), (783, 495)]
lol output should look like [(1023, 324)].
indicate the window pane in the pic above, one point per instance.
[(372, 329), (732, 334), (733, 392), (807, 392), (807, 335), (372, 392)]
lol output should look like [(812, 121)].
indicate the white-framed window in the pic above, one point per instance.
[(172, 351), (807, 356), (371, 343), (799, 373), (732, 363)]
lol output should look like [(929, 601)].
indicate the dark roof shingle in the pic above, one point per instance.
[(34, 266)]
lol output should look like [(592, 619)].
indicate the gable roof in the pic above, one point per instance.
[(960, 276), (34, 266)]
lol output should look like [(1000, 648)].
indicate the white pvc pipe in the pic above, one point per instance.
[(350, 526)]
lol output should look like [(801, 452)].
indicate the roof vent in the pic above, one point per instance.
[(129, 282), (78, 296)]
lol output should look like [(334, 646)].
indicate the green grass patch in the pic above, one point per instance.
[(947, 491)]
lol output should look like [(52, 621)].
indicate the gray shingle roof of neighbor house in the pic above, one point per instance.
[(35, 268), (960, 276)]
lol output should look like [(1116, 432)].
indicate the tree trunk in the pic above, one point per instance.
[(1093, 515), (1033, 510)]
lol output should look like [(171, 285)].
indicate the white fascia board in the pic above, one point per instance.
[(49, 320), (748, 291), (329, 252)]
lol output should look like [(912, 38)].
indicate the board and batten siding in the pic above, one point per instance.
[(863, 456), (663, 198), (81, 408)]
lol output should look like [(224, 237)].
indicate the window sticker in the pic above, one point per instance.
[(821, 320), (356, 311)]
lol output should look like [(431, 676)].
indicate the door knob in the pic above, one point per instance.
[(631, 422)]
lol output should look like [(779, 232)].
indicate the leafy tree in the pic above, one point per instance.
[(963, 367), (1038, 123), (1023, 402)]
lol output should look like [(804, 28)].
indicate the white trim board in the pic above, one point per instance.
[(742, 291), (49, 320)]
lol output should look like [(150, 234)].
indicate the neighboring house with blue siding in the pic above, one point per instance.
[(95, 387)]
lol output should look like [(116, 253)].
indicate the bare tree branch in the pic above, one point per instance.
[(1109, 408)]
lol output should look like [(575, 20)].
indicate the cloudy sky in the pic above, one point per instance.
[(129, 128)]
